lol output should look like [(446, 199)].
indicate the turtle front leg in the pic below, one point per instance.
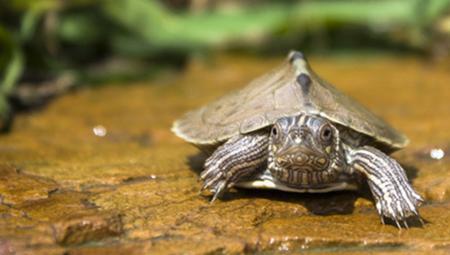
[(238, 158), (394, 196)]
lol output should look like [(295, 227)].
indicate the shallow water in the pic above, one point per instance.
[(98, 170)]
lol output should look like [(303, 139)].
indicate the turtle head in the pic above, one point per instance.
[(303, 144)]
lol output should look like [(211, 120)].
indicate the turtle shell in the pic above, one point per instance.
[(288, 90)]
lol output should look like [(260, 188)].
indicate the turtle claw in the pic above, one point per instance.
[(398, 224), (421, 221), (217, 185), (215, 181), (382, 220), (219, 190), (406, 224), (399, 210), (210, 181)]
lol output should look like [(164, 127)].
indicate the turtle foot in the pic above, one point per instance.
[(394, 196), (238, 158), (399, 207), (215, 181)]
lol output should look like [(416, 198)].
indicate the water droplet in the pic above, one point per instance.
[(284, 246), (99, 130), (437, 153), (308, 240), (272, 240)]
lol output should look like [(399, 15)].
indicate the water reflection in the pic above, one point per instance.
[(99, 130), (437, 153)]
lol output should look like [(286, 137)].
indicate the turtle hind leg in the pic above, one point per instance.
[(394, 196), (237, 159)]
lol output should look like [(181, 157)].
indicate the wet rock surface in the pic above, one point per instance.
[(99, 172)]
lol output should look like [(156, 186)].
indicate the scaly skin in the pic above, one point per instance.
[(306, 151), (238, 158), (394, 197)]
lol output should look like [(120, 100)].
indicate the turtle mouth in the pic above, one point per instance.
[(303, 159)]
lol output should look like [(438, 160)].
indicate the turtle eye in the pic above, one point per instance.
[(326, 133), (274, 131)]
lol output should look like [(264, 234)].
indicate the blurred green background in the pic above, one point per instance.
[(50, 46)]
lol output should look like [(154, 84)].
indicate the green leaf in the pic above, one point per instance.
[(163, 29), (13, 71)]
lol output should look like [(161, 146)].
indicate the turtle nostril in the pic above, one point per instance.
[(322, 161)]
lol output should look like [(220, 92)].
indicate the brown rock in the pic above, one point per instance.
[(17, 188), (108, 176), (79, 229)]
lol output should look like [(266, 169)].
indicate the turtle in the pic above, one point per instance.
[(292, 131)]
